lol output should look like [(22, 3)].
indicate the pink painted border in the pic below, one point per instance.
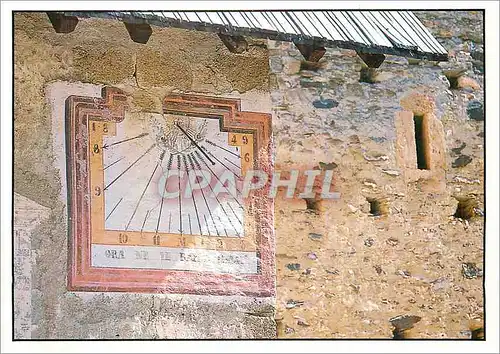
[(111, 107)]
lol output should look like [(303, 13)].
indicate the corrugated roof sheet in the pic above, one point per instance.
[(387, 32)]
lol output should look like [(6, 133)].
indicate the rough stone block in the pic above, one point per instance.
[(103, 64), (467, 82), (143, 100), (155, 68), (418, 103), (291, 66), (245, 72), (275, 64)]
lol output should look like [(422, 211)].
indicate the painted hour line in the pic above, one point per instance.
[(169, 166), (105, 146), (224, 226), (180, 194), (113, 163), (132, 165), (192, 163), (218, 201), (223, 148), (142, 195), (217, 178), (145, 218), (222, 163), (195, 144), (231, 162), (225, 166), (218, 181), (112, 210), (192, 196), (206, 223)]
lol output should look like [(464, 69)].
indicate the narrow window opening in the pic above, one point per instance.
[(420, 142)]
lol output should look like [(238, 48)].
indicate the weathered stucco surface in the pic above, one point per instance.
[(101, 52)]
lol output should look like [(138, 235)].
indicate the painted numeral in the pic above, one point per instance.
[(123, 238), (182, 242)]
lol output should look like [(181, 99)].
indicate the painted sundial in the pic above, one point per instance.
[(156, 199), (161, 158)]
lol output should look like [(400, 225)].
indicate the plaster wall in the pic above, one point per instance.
[(48, 68)]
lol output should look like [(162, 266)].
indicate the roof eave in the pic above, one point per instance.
[(264, 34)]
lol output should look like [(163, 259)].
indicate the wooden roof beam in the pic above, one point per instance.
[(62, 23), (372, 60), (139, 32), (235, 44), (311, 51)]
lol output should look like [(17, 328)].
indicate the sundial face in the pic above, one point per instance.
[(152, 153), (163, 201)]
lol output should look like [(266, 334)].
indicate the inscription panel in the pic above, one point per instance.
[(174, 258)]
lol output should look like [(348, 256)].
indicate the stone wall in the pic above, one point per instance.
[(100, 52), (343, 272)]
